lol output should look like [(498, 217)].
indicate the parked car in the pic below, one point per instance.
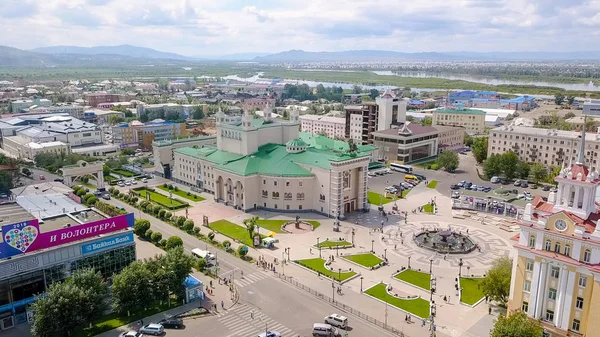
[(390, 189), (152, 329), (473, 188), (545, 188), (106, 196), (270, 334), (42, 177), (407, 185), (128, 183), (504, 181), (487, 189), (121, 184), (455, 194), (533, 187), (517, 183), (515, 191), (60, 180), (454, 187), (172, 323), (337, 320), (130, 334), (467, 184), (524, 184), (461, 184), (133, 182), (495, 180), (144, 180), (480, 188)]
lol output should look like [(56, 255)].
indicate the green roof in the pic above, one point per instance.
[(461, 111), (273, 159), (296, 142), (325, 143)]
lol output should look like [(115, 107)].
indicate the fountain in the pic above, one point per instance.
[(445, 241)]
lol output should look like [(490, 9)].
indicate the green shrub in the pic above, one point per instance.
[(173, 241), (211, 236), (242, 250), (196, 230), (163, 242), (435, 167), (92, 201), (148, 234), (175, 188), (188, 225), (428, 167), (141, 226), (180, 221), (168, 215), (165, 185), (156, 210), (156, 237), (149, 208), (188, 194), (161, 213), (121, 195), (201, 264)]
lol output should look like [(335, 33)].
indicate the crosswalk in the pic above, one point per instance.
[(244, 320), (248, 279)]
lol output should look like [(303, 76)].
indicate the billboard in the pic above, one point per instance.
[(104, 244), (26, 237)]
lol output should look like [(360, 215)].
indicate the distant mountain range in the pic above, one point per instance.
[(122, 50), (133, 55)]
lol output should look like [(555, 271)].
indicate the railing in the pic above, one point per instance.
[(342, 306)]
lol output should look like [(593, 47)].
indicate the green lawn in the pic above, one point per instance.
[(329, 244), (275, 225), (161, 199), (367, 260), (318, 265), (233, 231), (114, 320), (405, 192), (416, 306), (183, 194), (428, 208), (417, 278), (377, 199), (432, 184), (124, 173), (470, 290)]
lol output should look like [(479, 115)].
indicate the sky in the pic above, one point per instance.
[(222, 27)]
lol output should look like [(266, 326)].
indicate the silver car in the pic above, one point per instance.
[(152, 329)]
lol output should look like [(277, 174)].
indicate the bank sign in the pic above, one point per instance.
[(105, 244), (26, 237)]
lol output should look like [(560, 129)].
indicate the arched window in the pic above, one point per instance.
[(548, 245), (587, 255), (531, 241), (557, 247)]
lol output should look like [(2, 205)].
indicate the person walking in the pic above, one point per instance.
[(489, 310), (222, 305), (251, 314)]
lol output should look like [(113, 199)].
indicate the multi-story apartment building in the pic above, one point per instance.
[(96, 98), (544, 146), (591, 107), (472, 120), (333, 127), (21, 105), (578, 122), (259, 103), (362, 120), (170, 111), (162, 152), (267, 164), (137, 134), (556, 274), (450, 138)]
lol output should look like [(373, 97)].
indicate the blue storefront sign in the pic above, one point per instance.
[(103, 244), (16, 304)]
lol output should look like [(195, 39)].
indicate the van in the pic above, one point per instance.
[(410, 177), (337, 320), (324, 330), (204, 254)]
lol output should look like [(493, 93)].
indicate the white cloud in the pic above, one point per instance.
[(208, 27)]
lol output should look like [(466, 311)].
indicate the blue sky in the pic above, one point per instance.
[(209, 27)]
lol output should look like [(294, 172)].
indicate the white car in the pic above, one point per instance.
[(134, 182), (270, 334), (128, 183), (121, 184), (337, 320), (152, 329), (130, 334), (144, 180)]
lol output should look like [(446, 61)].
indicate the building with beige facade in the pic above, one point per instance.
[(268, 164), (544, 146), (23, 148), (162, 152), (556, 273), (332, 127), (472, 120)]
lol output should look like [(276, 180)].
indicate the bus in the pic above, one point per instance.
[(401, 168)]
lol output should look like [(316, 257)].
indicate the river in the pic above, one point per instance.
[(493, 81)]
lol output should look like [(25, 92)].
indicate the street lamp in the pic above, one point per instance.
[(372, 243), (332, 289), (361, 289), (288, 253), (385, 254), (430, 265), (468, 270), (340, 275), (352, 236), (319, 246), (460, 264), (409, 261)]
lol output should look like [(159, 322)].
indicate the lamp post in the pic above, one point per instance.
[(340, 275), (332, 289), (385, 254), (468, 270), (409, 261), (460, 264), (430, 265), (361, 288), (372, 243), (288, 253), (337, 250), (319, 246), (353, 237)]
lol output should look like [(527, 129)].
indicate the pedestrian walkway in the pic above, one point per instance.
[(251, 278), (244, 320)]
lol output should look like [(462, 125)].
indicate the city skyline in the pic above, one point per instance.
[(202, 28)]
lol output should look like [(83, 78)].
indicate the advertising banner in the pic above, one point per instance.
[(25, 237), (100, 245)]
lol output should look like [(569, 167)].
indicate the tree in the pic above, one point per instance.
[(180, 221), (468, 140), (426, 121), (130, 288), (559, 99), (570, 99), (242, 250), (352, 147), (480, 148), (198, 112), (356, 89), (538, 172), (492, 166), (188, 225), (201, 264), (26, 171), (94, 287), (496, 284), (509, 164), (373, 93), (569, 114), (173, 241), (178, 266), (59, 311), (141, 226), (516, 325), (127, 151), (251, 225), (522, 170), (449, 160), (156, 237)]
